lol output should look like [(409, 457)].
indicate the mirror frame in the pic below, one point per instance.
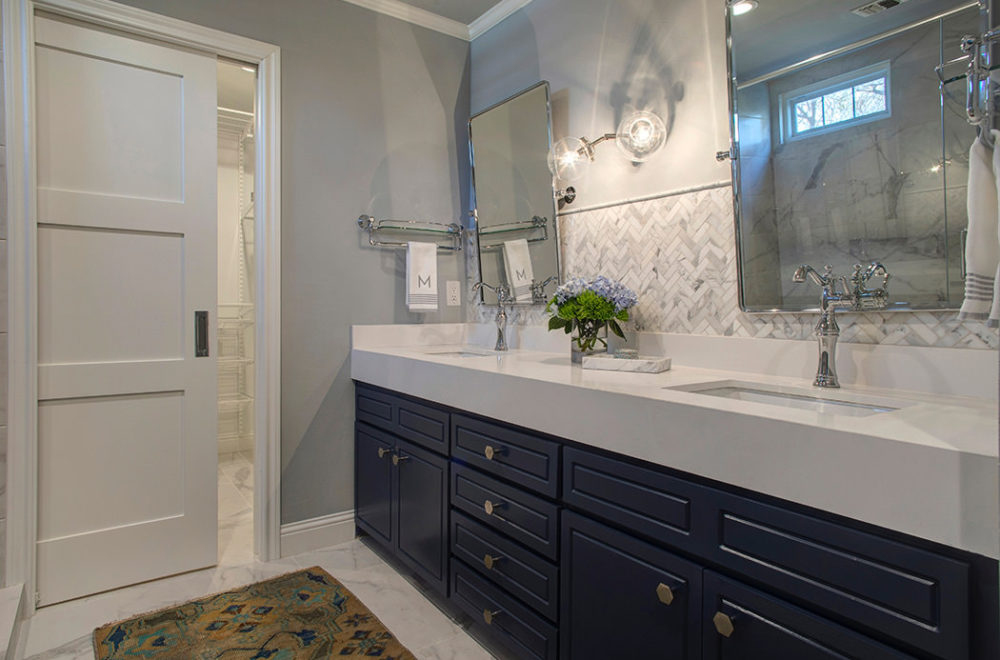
[(554, 236), (734, 148)]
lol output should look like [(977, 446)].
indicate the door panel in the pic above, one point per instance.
[(127, 235), (373, 481), (624, 598), (422, 527)]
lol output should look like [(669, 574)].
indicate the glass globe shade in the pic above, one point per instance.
[(640, 135), (568, 160)]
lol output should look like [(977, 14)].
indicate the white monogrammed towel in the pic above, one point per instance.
[(982, 248), (421, 277), (517, 260)]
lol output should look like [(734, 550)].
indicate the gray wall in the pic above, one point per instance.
[(603, 55), (374, 115)]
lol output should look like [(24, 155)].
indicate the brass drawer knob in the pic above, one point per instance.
[(665, 594), (489, 561), (723, 624), (382, 451), (488, 616), (490, 507), (397, 459), (492, 452)]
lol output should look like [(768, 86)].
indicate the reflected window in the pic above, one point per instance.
[(847, 100)]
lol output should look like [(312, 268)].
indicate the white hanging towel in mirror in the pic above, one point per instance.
[(517, 261), (421, 277), (982, 247)]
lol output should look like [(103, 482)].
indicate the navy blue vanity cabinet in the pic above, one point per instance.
[(742, 623), (625, 598), (411, 420), (401, 479), (912, 597), (505, 534), (421, 484), (373, 451)]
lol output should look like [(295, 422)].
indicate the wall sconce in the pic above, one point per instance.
[(640, 135)]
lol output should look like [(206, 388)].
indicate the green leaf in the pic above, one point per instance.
[(569, 327), (555, 323), (615, 328), (622, 315)]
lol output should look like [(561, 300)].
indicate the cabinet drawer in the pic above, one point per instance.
[(527, 460), (416, 422), (525, 633), (760, 626), (644, 500), (897, 592), (524, 517), (523, 574)]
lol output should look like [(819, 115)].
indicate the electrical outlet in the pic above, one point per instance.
[(454, 296)]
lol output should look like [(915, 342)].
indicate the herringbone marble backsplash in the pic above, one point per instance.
[(678, 254)]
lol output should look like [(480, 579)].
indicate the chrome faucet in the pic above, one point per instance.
[(503, 298), (854, 295), (538, 289)]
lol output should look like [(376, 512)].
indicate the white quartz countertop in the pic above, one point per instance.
[(928, 468)]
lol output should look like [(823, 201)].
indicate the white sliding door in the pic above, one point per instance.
[(126, 257)]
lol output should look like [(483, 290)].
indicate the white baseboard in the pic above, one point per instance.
[(316, 533)]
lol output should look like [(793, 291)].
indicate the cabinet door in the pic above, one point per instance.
[(421, 482), (624, 598), (741, 623), (373, 451)]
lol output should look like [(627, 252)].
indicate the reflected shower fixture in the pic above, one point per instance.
[(639, 136)]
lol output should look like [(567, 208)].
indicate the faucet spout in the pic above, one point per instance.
[(853, 294), (503, 298)]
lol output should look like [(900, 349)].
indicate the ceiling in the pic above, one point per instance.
[(781, 32), (463, 11)]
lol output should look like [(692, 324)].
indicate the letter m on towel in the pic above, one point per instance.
[(423, 281), (521, 275)]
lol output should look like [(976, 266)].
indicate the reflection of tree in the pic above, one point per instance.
[(808, 115)]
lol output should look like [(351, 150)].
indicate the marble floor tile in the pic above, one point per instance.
[(457, 647), (64, 631)]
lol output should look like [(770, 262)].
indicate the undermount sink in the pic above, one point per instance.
[(841, 403), (467, 353)]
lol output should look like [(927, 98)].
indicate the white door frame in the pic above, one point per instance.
[(22, 307)]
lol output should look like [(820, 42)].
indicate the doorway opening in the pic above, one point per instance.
[(236, 352)]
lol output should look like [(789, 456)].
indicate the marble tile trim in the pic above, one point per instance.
[(679, 254)]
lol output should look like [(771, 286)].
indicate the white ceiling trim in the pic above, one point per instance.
[(417, 16), (494, 15), (438, 23)]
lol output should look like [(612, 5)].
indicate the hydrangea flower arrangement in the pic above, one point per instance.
[(586, 306)]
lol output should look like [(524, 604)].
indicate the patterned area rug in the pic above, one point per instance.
[(306, 614)]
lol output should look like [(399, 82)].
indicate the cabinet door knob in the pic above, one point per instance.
[(488, 616), (489, 507), (723, 624), (382, 451), (491, 452), (489, 561), (664, 593), (397, 459)]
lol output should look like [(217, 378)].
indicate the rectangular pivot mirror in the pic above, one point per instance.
[(849, 148), (514, 205)]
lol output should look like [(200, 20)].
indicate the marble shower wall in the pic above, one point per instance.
[(3, 335), (679, 254)]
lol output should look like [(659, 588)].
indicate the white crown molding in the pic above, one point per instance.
[(417, 16), (495, 15)]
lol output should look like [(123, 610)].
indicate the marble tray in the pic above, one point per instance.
[(641, 364)]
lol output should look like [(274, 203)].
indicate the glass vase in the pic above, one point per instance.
[(588, 338)]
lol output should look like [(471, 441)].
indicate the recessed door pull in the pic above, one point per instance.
[(201, 334)]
